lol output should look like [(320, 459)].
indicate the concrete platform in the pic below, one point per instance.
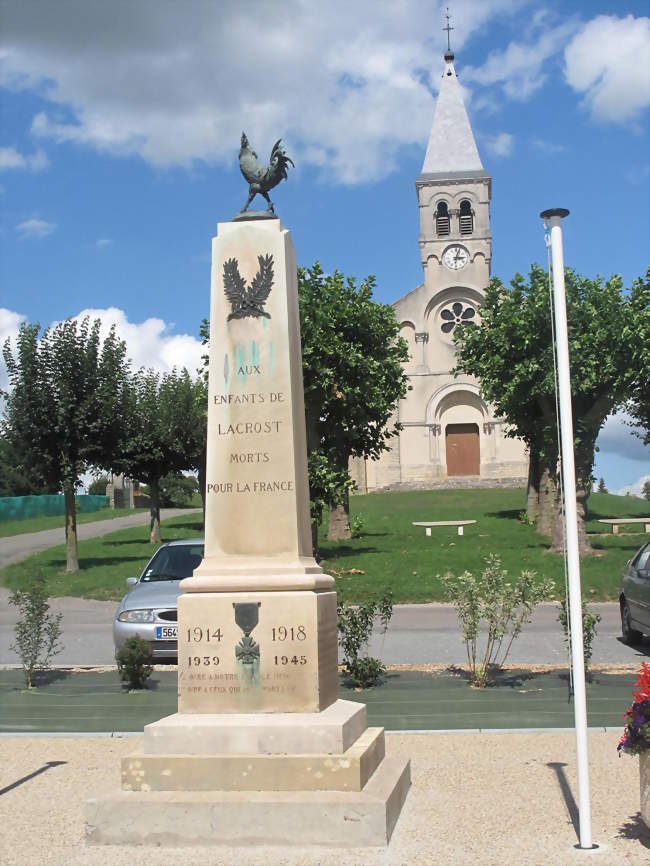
[(331, 731), (328, 818), (326, 772)]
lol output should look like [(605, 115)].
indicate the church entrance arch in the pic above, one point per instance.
[(463, 449)]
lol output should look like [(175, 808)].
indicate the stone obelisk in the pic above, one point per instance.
[(260, 751)]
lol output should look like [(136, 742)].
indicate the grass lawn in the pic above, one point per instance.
[(392, 554), (36, 524), (398, 556)]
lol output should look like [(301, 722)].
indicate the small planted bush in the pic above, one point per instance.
[(589, 628), (355, 624), (37, 631), (503, 605), (134, 662)]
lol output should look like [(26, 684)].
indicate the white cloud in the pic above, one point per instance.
[(609, 62), (151, 343), (102, 243), (10, 158), (501, 144), (346, 84), (522, 69), (616, 437), (34, 228), (634, 489)]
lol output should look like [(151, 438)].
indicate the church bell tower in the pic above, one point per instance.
[(453, 192)]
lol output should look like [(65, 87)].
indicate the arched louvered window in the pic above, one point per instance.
[(442, 218), (466, 218)]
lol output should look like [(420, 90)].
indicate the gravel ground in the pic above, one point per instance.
[(476, 799)]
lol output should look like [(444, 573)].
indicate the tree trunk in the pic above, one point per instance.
[(154, 529), (547, 502), (339, 521), (71, 553), (558, 535), (532, 499)]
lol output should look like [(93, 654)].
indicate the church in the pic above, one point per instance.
[(450, 436)]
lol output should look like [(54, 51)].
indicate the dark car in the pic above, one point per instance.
[(635, 597), (150, 608)]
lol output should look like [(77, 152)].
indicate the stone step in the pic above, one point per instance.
[(331, 731), (347, 772), (247, 818)]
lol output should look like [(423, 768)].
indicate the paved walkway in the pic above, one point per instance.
[(476, 800), (17, 547)]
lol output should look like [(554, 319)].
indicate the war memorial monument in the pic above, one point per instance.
[(261, 750)]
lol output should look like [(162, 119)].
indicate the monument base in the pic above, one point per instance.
[(253, 779)]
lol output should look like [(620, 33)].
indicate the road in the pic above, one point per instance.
[(17, 547), (417, 634)]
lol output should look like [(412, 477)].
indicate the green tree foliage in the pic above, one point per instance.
[(353, 376), (639, 339), (601, 486), (646, 490), (17, 477), (63, 408), (97, 486), (177, 490), (510, 351), (159, 435)]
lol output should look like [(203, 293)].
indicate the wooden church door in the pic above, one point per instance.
[(463, 449)]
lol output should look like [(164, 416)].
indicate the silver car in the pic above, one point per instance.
[(150, 608), (635, 597)]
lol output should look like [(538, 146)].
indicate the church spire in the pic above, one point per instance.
[(451, 147)]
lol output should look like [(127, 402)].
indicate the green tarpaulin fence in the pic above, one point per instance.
[(19, 507)]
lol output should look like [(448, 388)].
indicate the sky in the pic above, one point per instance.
[(120, 126)]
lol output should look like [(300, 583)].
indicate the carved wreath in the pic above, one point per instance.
[(248, 301), (456, 315)]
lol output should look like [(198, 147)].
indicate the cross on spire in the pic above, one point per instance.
[(448, 29)]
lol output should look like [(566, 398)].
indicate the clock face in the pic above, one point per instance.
[(455, 258)]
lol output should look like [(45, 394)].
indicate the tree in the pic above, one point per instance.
[(601, 486), (645, 490), (510, 351), (158, 432), (353, 376), (639, 405), (97, 486), (63, 409), (17, 477)]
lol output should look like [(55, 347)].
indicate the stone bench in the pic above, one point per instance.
[(615, 522), (459, 523)]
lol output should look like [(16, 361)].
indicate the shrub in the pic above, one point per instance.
[(357, 524), (503, 605), (636, 736), (134, 662), (37, 630), (589, 628), (355, 623)]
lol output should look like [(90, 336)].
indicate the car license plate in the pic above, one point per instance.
[(166, 632)]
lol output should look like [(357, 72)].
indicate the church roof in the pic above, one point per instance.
[(451, 150)]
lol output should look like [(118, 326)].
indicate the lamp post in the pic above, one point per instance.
[(553, 220)]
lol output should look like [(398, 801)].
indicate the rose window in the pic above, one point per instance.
[(457, 314)]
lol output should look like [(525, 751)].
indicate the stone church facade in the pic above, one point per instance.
[(450, 435)]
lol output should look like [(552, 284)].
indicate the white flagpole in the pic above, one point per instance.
[(553, 218)]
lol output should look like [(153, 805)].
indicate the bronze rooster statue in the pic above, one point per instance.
[(262, 178)]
